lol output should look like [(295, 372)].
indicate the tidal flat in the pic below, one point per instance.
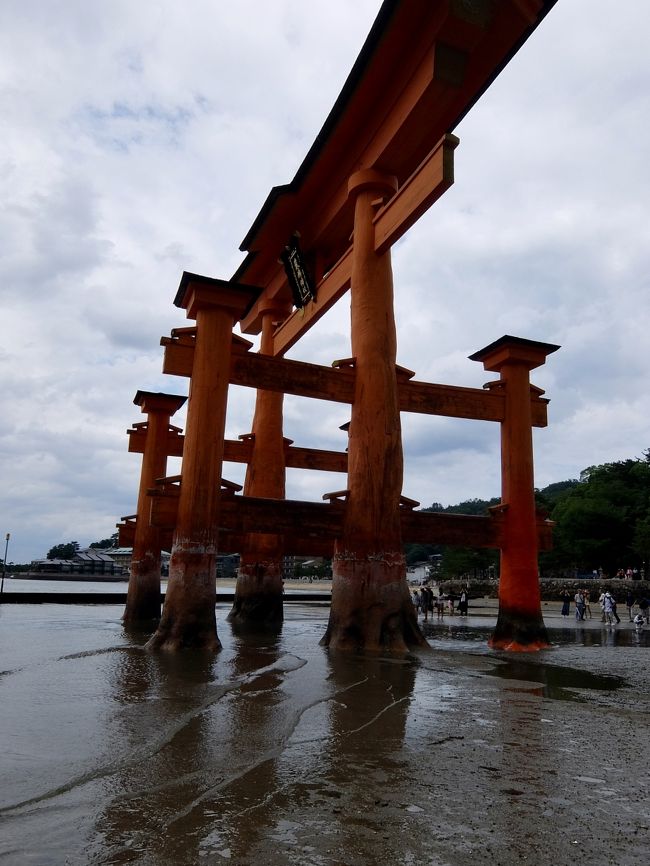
[(276, 751)]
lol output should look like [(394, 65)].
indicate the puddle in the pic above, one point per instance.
[(549, 681), (457, 636), (624, 635), (553, 682), (474, 633)]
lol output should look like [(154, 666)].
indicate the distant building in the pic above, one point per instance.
[(302, 566), (227, 565), (86, 561), (116, 561), (124, 555)]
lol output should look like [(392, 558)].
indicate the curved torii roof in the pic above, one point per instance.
[(423, 66)]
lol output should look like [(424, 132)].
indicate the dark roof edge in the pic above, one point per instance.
[(547, 5), (141, 395), (384, 15), (386, 11), (509, 340)]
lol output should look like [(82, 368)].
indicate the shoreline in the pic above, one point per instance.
[(319, 593)]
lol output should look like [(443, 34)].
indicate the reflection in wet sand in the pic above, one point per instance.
[(368, 722), (347, 721), (217, 765), (522, 779), (163, 700), (277, 751)]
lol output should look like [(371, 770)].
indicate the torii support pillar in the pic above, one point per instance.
[(371, 605), (188, 617), (143, 595), (520, 626), (258, 592)]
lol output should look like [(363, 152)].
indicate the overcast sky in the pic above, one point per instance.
[(141, 139)]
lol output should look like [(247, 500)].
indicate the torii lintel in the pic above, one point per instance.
[(423, 66)]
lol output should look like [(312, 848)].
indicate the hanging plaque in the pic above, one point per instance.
[(301, 284)]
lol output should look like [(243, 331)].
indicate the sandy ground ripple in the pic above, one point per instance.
[(276, 751)]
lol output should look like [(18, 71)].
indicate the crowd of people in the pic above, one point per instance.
[(608, 606), (426, 602)]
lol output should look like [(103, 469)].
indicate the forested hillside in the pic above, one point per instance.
[(602, 521)]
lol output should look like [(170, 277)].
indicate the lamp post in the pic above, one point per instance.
[(4, 563)]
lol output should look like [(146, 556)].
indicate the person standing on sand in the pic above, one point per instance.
[(608, 608), (566, 602), (429, 596), (580, 605), (424, 603), (587, 597), (601, 602)]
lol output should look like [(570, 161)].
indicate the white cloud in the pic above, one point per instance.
[(141, 139)]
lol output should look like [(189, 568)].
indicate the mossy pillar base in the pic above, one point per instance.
[(258, 598), (371, 606), (258, 591), (143, 595), (188, 620), (519, 631)]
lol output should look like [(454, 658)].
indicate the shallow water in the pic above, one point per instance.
[(276, 751), (117, 586), (22, 584), (475, 632)]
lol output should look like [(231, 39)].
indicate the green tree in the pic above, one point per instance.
[(641, 540), (479, 562), (553, 493), (420, 552), (472, 506), (105, 543), (63, 551), (457, 560), (602, 521)]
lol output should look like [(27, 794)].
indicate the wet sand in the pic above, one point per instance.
[(276, 751)]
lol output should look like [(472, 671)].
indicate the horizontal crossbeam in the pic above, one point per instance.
[(324, 522), (325, 383), (320, 524), (138, 438)]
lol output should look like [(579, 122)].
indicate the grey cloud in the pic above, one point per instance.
[(545, 233), (51, 239)]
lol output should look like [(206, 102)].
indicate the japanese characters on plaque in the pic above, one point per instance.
[(301, 284)]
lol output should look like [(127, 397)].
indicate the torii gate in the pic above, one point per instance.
[(383, 157)]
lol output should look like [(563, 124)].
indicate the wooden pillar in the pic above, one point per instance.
[(371, 605), (258, 593), (143, 595), (520, 625), (188, 617)]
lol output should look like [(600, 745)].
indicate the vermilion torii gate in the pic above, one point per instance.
[(383, 157)]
